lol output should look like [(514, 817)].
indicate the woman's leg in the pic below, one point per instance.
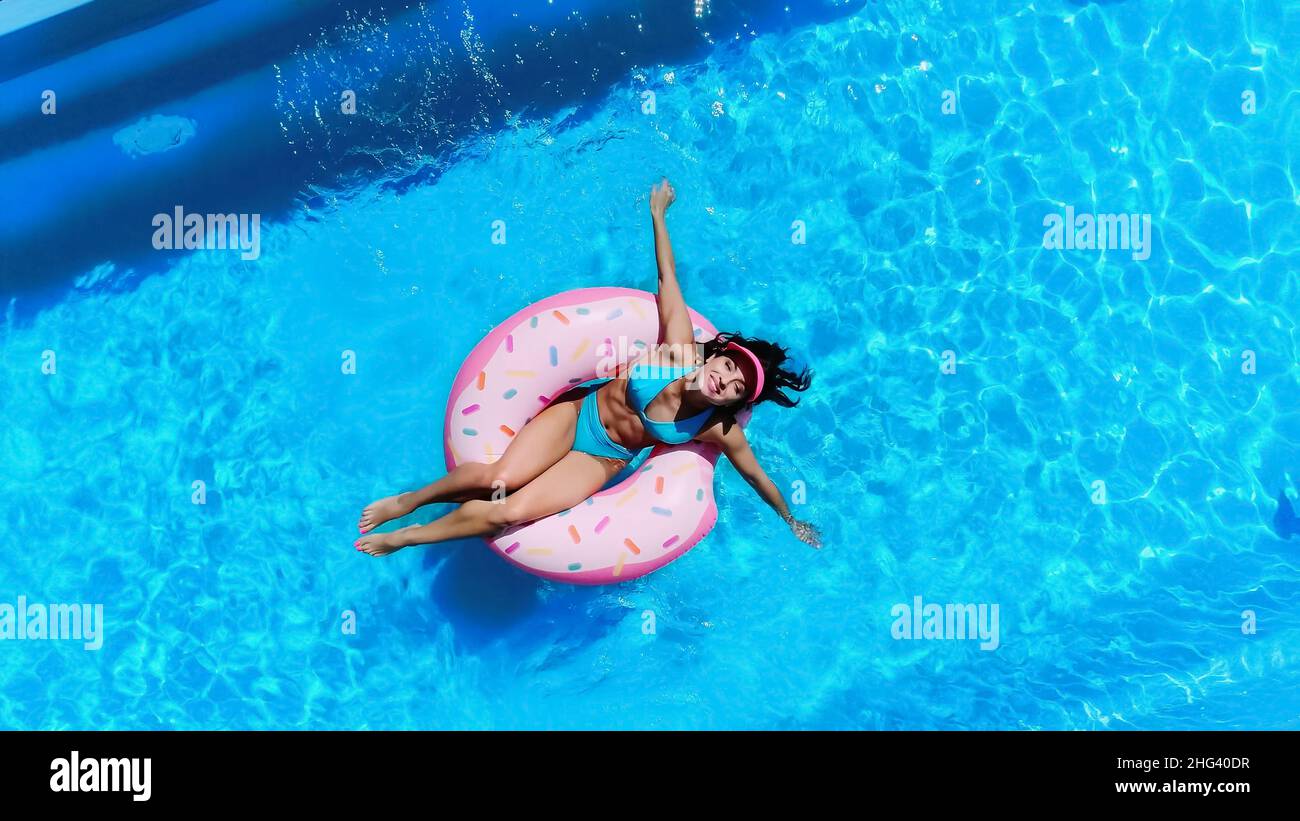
[(542, 442), (561, 486)]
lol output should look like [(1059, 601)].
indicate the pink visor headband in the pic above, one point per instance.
[(758, 369)]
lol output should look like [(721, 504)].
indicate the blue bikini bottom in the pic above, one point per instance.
[(592, 438)]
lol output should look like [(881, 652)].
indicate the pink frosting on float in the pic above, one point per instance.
[(620, 533)]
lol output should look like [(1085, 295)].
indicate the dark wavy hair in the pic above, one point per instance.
[(776, 375)]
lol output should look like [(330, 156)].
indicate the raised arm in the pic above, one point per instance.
[(736, 446), (674, 319)]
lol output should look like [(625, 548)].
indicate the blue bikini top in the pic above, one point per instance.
[(642, 390)]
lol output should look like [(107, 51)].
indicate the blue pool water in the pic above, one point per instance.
[(924, 234)]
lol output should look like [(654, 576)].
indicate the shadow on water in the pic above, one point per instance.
[(1285, 522), (487, 602), (482, 597)]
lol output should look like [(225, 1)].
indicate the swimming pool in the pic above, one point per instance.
[(924, 234)]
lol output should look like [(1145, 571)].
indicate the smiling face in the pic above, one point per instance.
[(722, 380)]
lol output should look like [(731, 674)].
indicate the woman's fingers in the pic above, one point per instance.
[(662, 195), (808, 533), (665, 191)]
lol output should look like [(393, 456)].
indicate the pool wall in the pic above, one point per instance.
[(233, 106)]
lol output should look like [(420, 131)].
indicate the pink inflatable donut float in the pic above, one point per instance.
[(624, 531)]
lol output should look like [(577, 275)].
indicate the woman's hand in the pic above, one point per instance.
[(806, 532), (661, 196)]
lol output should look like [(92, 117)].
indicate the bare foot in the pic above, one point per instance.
[(381, 544), (384, 510)]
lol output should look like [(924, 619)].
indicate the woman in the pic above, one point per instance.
[(596, 434)]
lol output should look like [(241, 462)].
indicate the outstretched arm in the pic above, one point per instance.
[(736, 446), (674, 318)]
